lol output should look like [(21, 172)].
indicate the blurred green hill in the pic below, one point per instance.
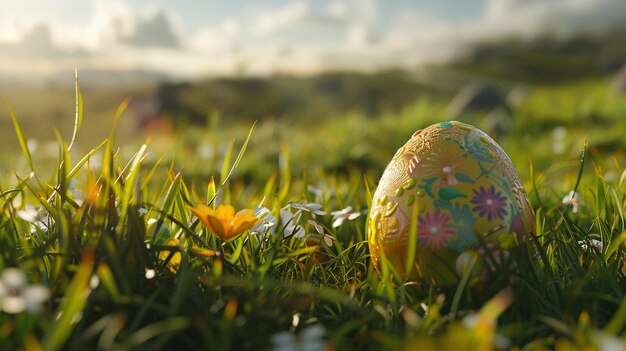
[(288, 97), (549, 58), (508, 62)]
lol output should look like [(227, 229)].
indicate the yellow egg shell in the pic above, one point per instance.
[(461, 191)]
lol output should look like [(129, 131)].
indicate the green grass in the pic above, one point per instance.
[(95, 228)]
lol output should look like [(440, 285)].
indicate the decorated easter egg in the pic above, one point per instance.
[(449, 196)]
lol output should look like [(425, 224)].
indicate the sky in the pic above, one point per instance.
[(191, 39)]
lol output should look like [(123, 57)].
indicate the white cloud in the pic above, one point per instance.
[(220, 39), (115, 22), (155, 30), (418, 37), (533, 17), (366, 11), (358, 36), (35, 42), (9, 31), (275, 19), (116, 36), (294, 36), (338, 10), (111, 21)]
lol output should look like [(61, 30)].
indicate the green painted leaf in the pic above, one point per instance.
[(462, 177), (428, 185), (450, 193)]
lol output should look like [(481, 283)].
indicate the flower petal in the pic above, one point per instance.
[(354, 215), (243, 220), (225, 212), (297, 231), (217, 226), (318, 227), (338, 222), (202, 212)]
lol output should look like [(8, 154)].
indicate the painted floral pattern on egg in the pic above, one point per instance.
[(466, 194)]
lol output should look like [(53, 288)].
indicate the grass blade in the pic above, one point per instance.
[(153, 330), (225, 171), (412, 245), (284, 169), (78, 119), (129, 183), (616, 325), (86, 158), (166, 208), (72, 306), (235, 164), (21, 139)]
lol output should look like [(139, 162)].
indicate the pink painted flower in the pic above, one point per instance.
[(489, 202), (432, 229)]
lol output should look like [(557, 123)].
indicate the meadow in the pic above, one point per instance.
[(106, 244)]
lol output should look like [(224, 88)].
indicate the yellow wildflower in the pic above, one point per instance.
[(223, 221), (174, 263)]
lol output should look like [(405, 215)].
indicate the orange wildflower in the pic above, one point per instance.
[(223, 221)]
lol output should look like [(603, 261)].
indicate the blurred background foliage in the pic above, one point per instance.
[(539, 98)]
